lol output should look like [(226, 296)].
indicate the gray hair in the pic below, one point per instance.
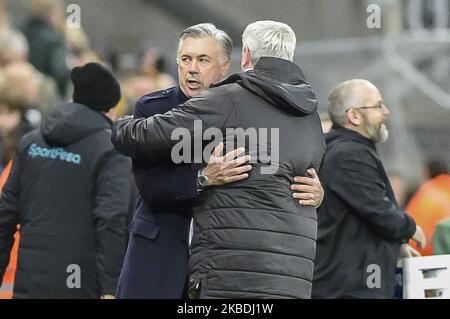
[(208, 30), (270, 39), (345, 95)]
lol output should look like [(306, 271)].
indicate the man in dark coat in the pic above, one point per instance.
[(156, 262), (361, 228), (251, 238), (69, 191)]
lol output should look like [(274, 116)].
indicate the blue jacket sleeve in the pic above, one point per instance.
[(152, 138), (163, 181)]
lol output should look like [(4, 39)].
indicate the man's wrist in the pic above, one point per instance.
[(202, 180)]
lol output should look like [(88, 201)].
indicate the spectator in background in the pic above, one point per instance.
[(14, 51), (149, 77), (152, 66), (430, 205), (44, 31), (400, 187), (77, 42), (10, 124), (10, 116), (69, 190), (441, 238), (23, 79), (359, 223), (13, 47), (16, 119), (80, 51), (13, 44), (138, 77), (137, 85)]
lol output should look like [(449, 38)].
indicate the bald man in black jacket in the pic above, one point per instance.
[(361, 228)]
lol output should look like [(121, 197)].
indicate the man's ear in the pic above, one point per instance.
[(246, 62), (354, 117)]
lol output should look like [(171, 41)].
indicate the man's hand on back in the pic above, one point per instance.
[(227, 169), (308, 190), (234, 167)]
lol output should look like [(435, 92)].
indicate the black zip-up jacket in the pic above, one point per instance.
[(360, 226), (69, 190)]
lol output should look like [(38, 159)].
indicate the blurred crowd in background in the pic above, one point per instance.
[(35, 63)]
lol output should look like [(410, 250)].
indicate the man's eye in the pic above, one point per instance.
[(185, 59), (204, 60)]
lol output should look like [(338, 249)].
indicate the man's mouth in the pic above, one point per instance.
[(194, 84)]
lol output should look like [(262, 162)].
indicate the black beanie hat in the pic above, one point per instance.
[(95, 87)]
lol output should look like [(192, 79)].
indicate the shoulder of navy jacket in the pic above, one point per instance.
[(163, 94)]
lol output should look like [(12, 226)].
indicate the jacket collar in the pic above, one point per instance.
[(280, 69), (346, 134), (180, 94), (274, 68)]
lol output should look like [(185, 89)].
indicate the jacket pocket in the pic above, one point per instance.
[(144, 228)]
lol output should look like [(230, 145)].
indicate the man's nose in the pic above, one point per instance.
[(193, 67), (385, 110)]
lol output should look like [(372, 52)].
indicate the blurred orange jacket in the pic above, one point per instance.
[(429, 206), (8, 278)]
